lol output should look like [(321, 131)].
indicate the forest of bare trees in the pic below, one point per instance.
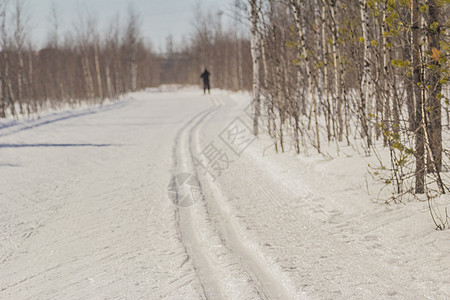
[(371, 74), (368, 74), (72, 67), (89, 65)]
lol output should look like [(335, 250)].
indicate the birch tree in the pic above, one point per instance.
[(255, 52), (366, 81), (417, 83), (337, 71)]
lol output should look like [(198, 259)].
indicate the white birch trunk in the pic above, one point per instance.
[(366, 82), (418, 99), (387, 106), (324, 54), (337, 75), (255, 52)]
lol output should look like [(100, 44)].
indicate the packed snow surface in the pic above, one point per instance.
[(87, 211)]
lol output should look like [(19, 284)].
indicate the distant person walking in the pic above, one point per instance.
[(205, 76)]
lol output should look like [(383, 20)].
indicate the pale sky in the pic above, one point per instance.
[(159, 17)]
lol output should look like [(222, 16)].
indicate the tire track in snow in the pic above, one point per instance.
[(178, 167), (241, 281), (218, 272), (226, 266), (219, 269), (267, 283)]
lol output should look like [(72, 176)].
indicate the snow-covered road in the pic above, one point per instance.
[(87, 212)]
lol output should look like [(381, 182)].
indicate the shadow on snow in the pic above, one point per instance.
[(54, 145), (58, 117)]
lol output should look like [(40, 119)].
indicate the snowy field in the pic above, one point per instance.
[(87, 211)]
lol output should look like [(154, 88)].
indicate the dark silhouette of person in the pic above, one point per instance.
[(205, 76)]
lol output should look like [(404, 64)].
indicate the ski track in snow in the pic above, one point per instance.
[(225, 268), (85, 214)]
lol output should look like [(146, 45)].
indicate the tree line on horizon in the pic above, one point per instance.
[(86, 65), (72, 67)]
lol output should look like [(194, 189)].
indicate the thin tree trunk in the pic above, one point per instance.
[(239, 66), (419, 130), (325, 72), (97, 70), (30, 78), (255, 59), (133, 71), (108, 81), (386, 92), (365, 80), (410, 104), (88, 77), (264, 62), (8, 91), (337, 74), (20, 80), (434, 103)]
